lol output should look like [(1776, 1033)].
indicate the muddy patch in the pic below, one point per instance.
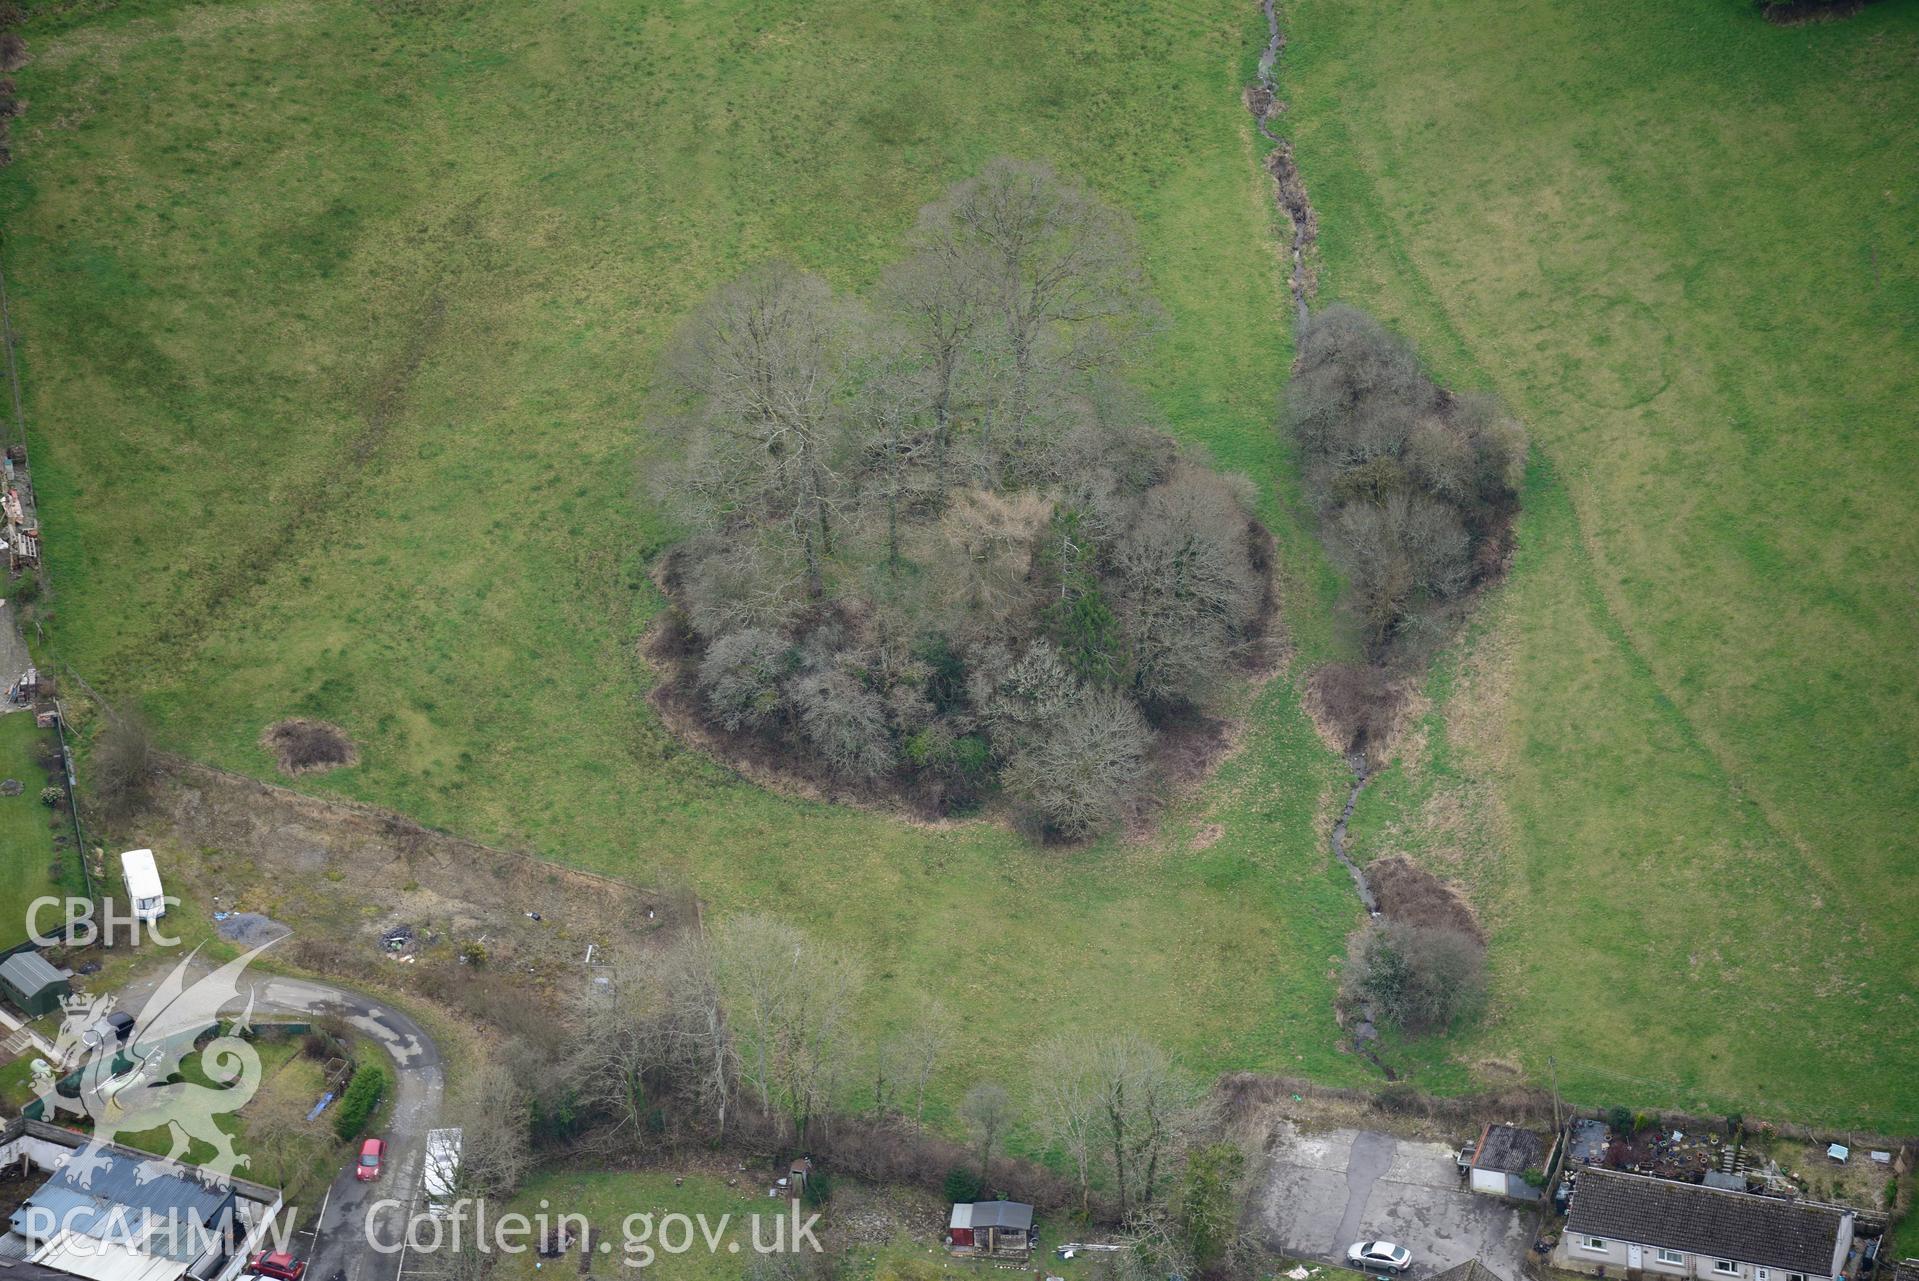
[(1411, 895), (250, 929), (1357, 709), (300, 746), (1186, 751), (1793, 14)]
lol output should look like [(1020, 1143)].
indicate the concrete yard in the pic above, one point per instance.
[(1321, 1192)]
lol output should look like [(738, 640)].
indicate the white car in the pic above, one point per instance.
[(1379, 1256)]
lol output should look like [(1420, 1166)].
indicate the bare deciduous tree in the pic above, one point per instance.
[(1412, 480), (699, 1047), (1418, 978), (1398, 552), (494, 1149), (615, 1045), (1358, 388), (895, 450), (1187, 586), (767, 363), (845, 721), (120, 764), (1075, 770), (741, 674), (1057, 268), (758, 959), (882, 1068), (790, 1002), (921, 1047), (1065, 1101), (1123, 1102), (987, 1112), (940, 294), (986, 552)]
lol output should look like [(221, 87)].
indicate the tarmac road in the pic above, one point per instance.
[(333, 1237), (340, 1246)]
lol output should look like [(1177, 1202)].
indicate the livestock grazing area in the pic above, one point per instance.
[(1675, 761), (343, 320), (340, 322)]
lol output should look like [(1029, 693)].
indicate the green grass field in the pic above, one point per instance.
[(1676, 763), (27, 853), (336, 354), (339, 323)]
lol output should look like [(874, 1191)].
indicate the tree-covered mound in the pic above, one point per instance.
[(939, 548)]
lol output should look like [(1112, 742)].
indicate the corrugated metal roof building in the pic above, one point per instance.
[(150, 1204), (78, 1255), (991, 1227), (31, 983)]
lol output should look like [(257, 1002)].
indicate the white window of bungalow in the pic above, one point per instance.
[(1678, 1259), (1596, 1244), (1725, 1267)]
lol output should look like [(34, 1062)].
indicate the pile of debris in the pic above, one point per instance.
[(22, 531)]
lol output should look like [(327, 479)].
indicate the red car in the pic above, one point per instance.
[(277, 1264), (372, 1154)]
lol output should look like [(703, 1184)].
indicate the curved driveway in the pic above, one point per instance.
[(340, 1248), (333, 1236)]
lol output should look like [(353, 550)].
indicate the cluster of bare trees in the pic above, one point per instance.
[(1118, 1110), (1417, 488), (936, 541), (754, 1020), (1415, 484), (652, 1026)]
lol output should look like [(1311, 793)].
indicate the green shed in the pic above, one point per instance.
[(32, 984)]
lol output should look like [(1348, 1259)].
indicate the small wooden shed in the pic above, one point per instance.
[(991, 1227), (32, 984)]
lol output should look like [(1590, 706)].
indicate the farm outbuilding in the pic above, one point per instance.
[(1505, 1156), (991, 1227), (32, 984)]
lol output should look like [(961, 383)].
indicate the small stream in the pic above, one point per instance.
[(1365, 1032), (1291, 192), (1356, 761), (1269, 64)]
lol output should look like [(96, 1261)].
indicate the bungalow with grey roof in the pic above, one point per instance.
[(1642, 1225)]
